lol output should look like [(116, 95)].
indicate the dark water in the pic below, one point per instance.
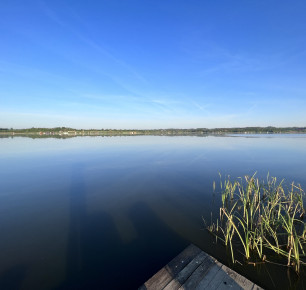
[(108, 212)]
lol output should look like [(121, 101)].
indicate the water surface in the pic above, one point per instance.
[(108, 212)]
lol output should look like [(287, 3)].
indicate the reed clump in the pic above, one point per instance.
[(262, 219)]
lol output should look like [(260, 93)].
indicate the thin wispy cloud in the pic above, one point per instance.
[(55, 17), (201, 107), (32, 72), (216, 58)]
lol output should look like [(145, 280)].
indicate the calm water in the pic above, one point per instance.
[(108, 212)]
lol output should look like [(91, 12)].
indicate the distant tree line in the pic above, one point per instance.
[(171, 131)]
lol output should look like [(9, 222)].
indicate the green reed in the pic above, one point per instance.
[(261, 217)]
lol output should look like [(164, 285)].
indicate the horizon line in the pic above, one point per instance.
[(198, 128)]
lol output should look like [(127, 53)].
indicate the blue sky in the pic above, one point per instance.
[(152, 64)]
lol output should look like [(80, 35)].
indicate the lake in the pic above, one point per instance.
[(108, 212)]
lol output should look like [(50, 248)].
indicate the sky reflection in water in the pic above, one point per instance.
[(103, 212)]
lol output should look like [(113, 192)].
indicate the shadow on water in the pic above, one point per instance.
[(156, 244), (12, 278), (97, 258), (89, 238)]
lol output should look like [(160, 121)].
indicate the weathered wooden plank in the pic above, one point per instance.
[(182, 276), (167, 273), (215, 281), (158, 281), (256, 287), (240, 280), (208, 277), (183, 259), (198, 274), (222, 279), (194, 269), (228, 283)]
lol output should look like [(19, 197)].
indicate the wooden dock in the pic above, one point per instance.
[(195, 269)]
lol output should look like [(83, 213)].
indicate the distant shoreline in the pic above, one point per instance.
[(64, 132)]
